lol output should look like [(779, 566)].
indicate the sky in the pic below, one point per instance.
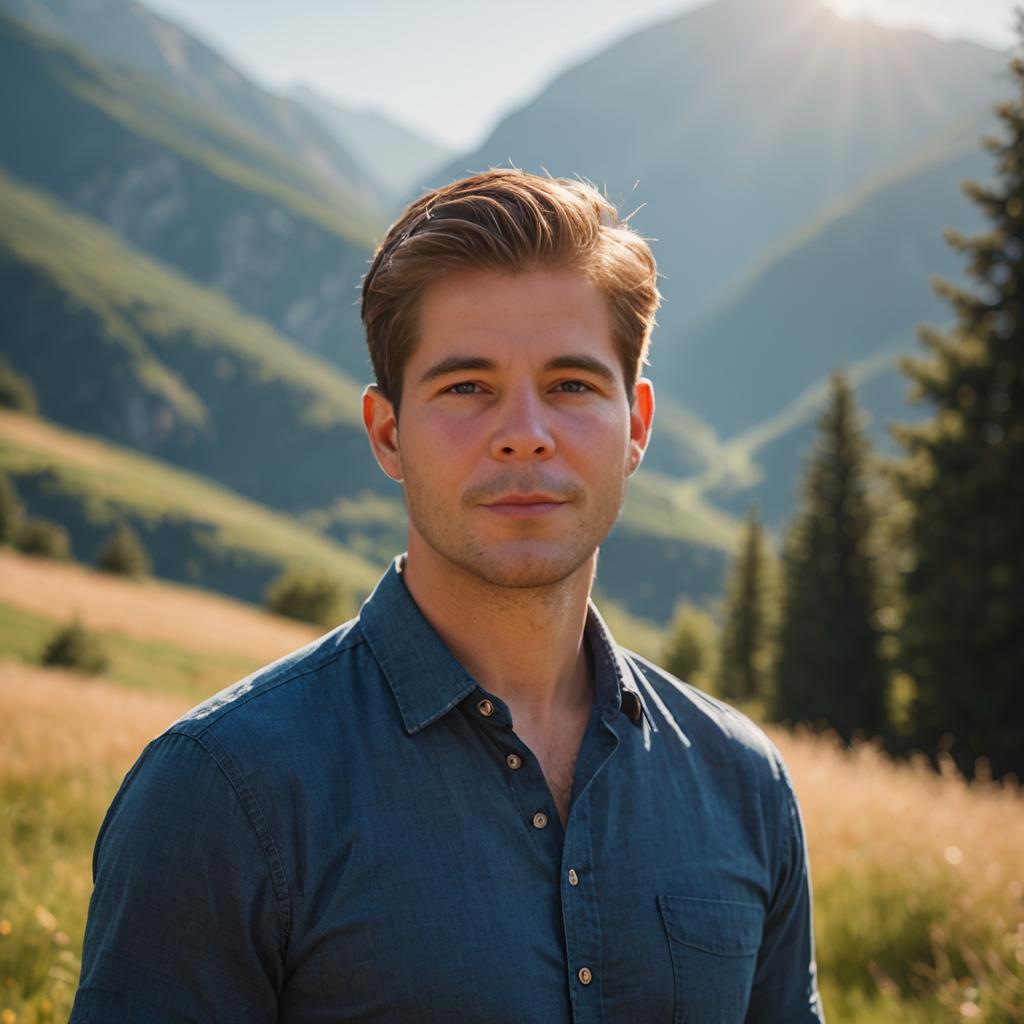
[(452, 68)]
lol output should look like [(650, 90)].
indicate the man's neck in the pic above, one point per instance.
[(525, 645)]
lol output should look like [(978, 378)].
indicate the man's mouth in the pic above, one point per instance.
[(524, 505)]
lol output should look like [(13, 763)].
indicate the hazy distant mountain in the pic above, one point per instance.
[(398, 157), (133, 35), (736, 124), (842, 291), (849, 292)]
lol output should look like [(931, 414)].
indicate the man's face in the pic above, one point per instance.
[(517, 435)]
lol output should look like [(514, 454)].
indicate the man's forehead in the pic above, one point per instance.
[(479, 313)]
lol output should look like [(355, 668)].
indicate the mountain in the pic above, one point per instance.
[(848, 292), (736, 124), (189, 188), (132, 35), (195, 531), (122, 346), (398, 157)]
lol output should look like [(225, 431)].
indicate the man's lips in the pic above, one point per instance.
[(522, 505)]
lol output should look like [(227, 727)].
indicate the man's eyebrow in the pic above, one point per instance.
[(464, 364), (585, 364), (456, 364)]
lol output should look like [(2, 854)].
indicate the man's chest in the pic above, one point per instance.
[(444, 891), (556, 750)]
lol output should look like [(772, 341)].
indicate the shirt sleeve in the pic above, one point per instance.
[(185, 920), (785, 989)]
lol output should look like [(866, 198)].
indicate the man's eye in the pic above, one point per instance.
[(465, 387), (573, 387)]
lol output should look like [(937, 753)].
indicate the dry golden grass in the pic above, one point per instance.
[(58, 723), (918, 876), (194, 619), (858, 804)]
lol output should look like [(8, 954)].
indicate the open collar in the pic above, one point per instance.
[(428, 681)]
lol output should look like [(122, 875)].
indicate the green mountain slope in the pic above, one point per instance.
[(120, 346), (188, 187), (196, 531), (135, 36)]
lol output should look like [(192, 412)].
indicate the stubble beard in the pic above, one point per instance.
[(529, 555)]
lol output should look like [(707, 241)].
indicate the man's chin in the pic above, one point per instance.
[(524, 570)]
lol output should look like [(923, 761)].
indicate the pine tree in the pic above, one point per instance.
[(11, 510), (43, 538), (828, 667), (75, 647), (745, 653), (309, 595), (16, 390), (124, 554), (690, 650), (962, 639)]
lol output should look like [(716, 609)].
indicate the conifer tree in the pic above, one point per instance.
[(745, 653), (11, 510), (310, 595), (16, 390), (962, 638), (690, 651), (75, 647), (828, 667), (124, 554)]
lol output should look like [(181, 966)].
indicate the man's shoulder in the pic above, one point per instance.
[(701, 723), (283, 687)]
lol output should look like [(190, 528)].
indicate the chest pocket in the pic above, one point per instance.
[(714, 946)]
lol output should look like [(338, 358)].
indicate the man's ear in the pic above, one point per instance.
[(381, 425), (641, 416)]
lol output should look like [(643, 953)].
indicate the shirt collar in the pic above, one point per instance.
[(428, 681)]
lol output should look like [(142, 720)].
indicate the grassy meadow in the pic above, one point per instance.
[(919, 878)]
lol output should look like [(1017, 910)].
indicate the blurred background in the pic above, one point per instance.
[(828, 530)]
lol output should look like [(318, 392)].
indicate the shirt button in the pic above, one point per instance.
[(486, 708), (540, 820), (585, 975), (514, 761), (574, 879)]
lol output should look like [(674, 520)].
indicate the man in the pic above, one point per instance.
[(469, 804)]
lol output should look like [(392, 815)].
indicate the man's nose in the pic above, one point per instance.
[(522, 431)]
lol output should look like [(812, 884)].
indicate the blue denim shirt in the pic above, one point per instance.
[(356, 833)]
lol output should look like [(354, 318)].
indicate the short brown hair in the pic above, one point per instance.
[(506, 219)]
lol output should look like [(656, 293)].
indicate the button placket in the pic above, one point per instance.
[(580, 916)]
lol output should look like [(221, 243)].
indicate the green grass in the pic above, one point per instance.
[(149, 665), (46, 835)]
